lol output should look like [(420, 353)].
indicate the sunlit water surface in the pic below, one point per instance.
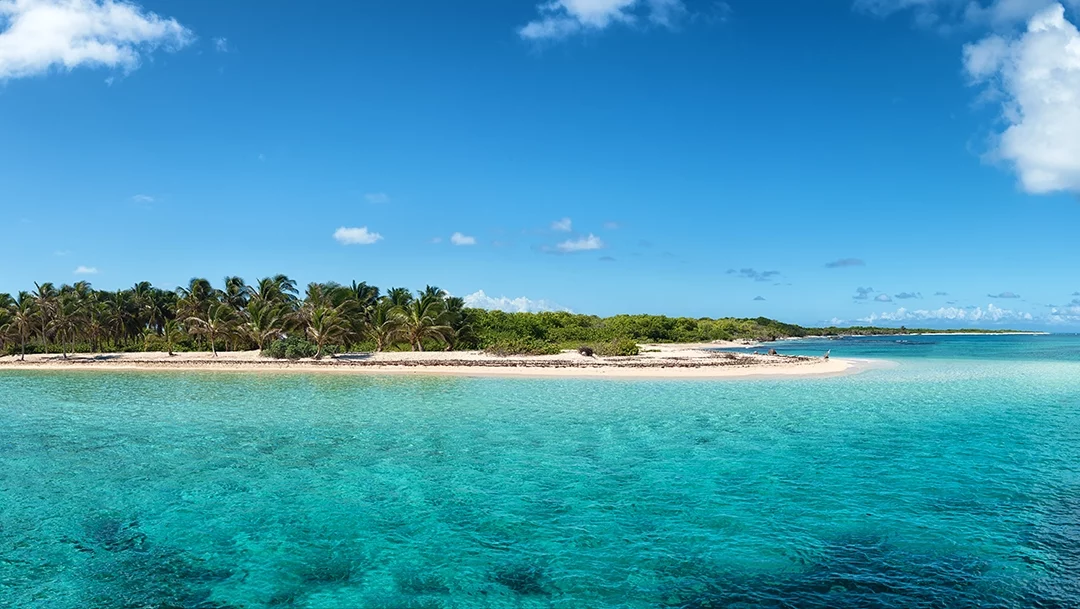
[(941, 482)]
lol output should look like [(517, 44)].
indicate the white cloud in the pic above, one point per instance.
[(460, 239), (992, 313), (950, 14), (1067, 314), (221, 45), (86, 270), (564, 225), (883, 298), (356, 236), (377, 197), (480, 300), (592, 242), (142, 199), (39, 35), (1037, 75), (562, 18)]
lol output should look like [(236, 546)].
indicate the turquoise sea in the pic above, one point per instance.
[(951, 479)]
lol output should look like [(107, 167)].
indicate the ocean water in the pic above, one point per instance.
[(1001, 347), (949, 480)]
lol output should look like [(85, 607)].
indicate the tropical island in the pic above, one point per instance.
[(271, 325)]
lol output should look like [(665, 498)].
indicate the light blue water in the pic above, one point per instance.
[(942, 482), (1008, 347)]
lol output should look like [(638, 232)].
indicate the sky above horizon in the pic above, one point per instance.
[(893, 162)]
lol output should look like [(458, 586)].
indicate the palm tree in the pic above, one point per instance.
[(6, 303), (324, 325), (45, 294), (96, 314), (286, 287), (218, 321), (399, 296), (365, 295), (67, 320), (196, 297), (171, 332), (161, 308), (264, 321), (24, 319), (460, 321), (141, 303), (120, 316), (236, 293), (266, 290), (384, 324), (424, 318)]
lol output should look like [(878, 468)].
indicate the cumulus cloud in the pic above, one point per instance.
[(591, 242), (844, 262), (863, 293), (356, 236), (460, 239), (40, 35), (521, 304), (562, 18), (1069, 313), (564, 225), (753, 274), (907, 295), (1036, 75), (992, 313), (883, 298), (759, 298), (941, 293), (86, 270), (377, 197), (221, 45), (1004, 295), (142, 199)]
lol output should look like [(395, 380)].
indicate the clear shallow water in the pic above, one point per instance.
[(1053, 347), (938, 483)]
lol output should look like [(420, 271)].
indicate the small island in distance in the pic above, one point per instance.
[(270, 325)]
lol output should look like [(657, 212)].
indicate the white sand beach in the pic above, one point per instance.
[(655, 361)]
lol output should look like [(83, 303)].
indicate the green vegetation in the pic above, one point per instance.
[(520, 346), (271, 316)]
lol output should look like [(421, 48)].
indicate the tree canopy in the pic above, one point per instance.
[(272, 316)]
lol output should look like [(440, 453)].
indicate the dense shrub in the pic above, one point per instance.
[(290, 348), (521, 346), (572, 329), (620, 347)]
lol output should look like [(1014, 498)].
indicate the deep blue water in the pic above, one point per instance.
[(949, 480)]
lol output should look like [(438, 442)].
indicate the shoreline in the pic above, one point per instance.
[(838, 336), (655, 362)]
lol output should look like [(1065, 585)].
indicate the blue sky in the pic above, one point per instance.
[(667, 156)]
